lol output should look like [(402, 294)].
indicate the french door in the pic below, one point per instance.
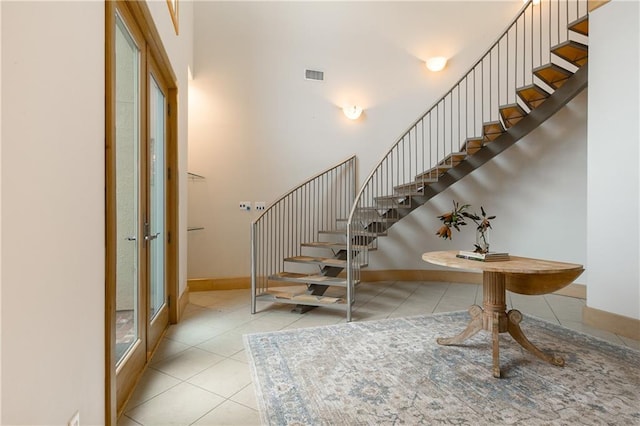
[(139, 204)]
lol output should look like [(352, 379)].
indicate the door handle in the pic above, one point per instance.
[(151, 237)]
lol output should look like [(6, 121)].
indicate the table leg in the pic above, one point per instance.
[(474, 326), (495, 334), (516, 332)]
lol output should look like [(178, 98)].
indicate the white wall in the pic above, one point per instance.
[(257, 128), (614, 159), (52, 204), (52, 212)]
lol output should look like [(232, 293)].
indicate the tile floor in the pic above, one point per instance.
[(200, 375)]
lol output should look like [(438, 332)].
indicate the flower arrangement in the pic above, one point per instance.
[(452, 219), (456, 218)]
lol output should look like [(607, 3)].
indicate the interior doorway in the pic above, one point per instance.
[(140, 197)]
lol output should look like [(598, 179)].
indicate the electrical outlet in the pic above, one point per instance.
[(75, 419), (245, 205), (260, 206)]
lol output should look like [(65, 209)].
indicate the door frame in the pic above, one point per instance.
[(142, 19)]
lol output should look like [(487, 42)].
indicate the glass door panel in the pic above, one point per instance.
[(156, 225), (127, 126)]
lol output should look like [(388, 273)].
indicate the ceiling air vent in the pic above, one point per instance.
[(313, 75)]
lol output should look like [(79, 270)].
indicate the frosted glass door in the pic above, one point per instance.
[(127, 124), (157, 228)]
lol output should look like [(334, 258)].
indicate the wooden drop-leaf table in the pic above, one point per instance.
[(519, 275)]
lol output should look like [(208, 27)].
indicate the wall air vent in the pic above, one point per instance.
[(313, 75)]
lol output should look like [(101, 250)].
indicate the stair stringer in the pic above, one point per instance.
[(558, 99)]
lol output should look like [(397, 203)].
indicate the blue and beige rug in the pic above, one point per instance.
[(392, 372)]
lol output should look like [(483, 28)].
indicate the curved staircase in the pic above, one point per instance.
[(525, 77)]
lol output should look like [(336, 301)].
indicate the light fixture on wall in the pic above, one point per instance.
[(352, 112), (437, 63)]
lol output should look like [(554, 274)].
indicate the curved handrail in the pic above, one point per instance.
[(283, 196), (461, 121)]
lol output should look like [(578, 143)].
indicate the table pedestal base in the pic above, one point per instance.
[(493, 317)]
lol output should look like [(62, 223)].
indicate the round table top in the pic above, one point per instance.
[(515, 265)]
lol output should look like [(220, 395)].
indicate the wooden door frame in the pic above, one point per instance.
[(142, 18)]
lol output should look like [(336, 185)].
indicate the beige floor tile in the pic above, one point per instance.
[(635, 344), (151, 384), (126, 421), (604, 335), (566, 308), (318, 317), (168, 348), (190, 334), (187, 363), (203, 299), (181, 405), (225, 345), (240, 356), (200, 372), (230, 413), (225, 378), (246, 396)]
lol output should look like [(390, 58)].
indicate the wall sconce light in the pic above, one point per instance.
[(436, 63), (352, 112)]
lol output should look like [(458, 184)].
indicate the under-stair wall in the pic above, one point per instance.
[(258, 128)]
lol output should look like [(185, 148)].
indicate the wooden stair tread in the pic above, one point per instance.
[(453, 159), (335, 245), (308, 278), (301, 298), (370, 220), (434, 172), (533, 95), (414, 188), (492, 130), (359, 233), (316, 260), (399, 201), (573, 52), (580, 26), (471, 146), (552, 74), (511, 114)]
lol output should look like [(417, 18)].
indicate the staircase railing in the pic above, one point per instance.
[(298, 217), (457, 123)]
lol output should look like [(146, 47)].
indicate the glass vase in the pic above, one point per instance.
[(482, 240)]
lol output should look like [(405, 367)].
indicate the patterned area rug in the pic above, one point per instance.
[(392, 372)]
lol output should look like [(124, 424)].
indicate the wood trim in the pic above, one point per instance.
[(142, 15), (209, 284), (433, 275), (129, 377), (173, 210), (594, 4), (183, 301), (110, 221), (173, 11), (614, 323)]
